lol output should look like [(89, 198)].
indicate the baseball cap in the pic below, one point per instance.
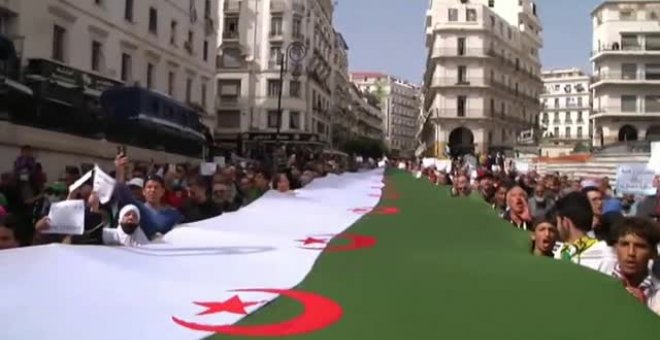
[(589, 183), (136, 182)]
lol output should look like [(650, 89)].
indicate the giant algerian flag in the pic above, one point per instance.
[(420, 265), (202, 277)]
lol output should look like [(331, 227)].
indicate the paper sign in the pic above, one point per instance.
[(443, 165), (67, 218), (635, 179), (104, 185), (359, 159), (654, 161), (220, 161), (77, 184), (521, 167), (208, 169), (428, 162)]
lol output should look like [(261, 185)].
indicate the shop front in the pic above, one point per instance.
[(257, 145)]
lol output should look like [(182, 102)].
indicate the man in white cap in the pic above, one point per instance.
[(128, 233), (137, 186)]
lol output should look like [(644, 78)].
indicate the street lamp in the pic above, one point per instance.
[(296, 52)]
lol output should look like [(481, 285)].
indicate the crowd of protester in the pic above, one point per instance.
[(582, 220), (150, 199)]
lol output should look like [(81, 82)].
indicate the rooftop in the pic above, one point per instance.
[(622, 2)]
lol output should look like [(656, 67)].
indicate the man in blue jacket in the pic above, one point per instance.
[(156, 217)]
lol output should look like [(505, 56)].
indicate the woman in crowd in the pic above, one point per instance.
[(281, 182)]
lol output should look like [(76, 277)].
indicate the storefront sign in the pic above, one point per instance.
[(282, 137), (71, 76)]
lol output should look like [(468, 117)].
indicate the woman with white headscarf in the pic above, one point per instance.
[(128, 233)]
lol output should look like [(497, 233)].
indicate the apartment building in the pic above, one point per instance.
[(366, 106), (399, 102), (256, 37), (344, 118), (626, 69), (163, 45), (483, 74), (566, 113)]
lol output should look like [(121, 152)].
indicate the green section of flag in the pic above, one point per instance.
[(448, 268)]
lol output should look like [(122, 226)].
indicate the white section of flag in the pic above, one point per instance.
[(96, 292)]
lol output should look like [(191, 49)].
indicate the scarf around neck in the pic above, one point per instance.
[(646, 289)]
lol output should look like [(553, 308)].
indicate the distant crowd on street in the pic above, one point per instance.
[(147, 199), (582, 220)]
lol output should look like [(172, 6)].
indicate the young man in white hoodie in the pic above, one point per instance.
[(128, 233)]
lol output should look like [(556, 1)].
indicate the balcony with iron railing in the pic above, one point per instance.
[(230, 35), (459, 82), (571, 107), (277, 6), (10, 6), (530, 98), (627, 77), (447, 52), (464, 113), (480, 82), (298, 6), (618, 48), (651, 112), (233, 6)]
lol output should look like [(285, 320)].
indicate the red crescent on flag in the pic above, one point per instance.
[(356, 242), (319, 312)]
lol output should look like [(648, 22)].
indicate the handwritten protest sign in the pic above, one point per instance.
[(67, 218), (104, 185), (635, 179)]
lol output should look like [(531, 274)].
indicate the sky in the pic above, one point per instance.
[(388, 35)]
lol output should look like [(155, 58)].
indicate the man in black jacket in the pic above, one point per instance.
[(198, 206)]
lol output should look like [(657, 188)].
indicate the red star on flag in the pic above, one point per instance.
[(361, 210), (312, 240), (387, 211), (234, 306)]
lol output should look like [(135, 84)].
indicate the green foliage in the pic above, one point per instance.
[(581, 147), (364, 147), (379, 92)]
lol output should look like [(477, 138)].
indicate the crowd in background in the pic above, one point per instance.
[(149, 199), (582, 220), (572, 219)]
